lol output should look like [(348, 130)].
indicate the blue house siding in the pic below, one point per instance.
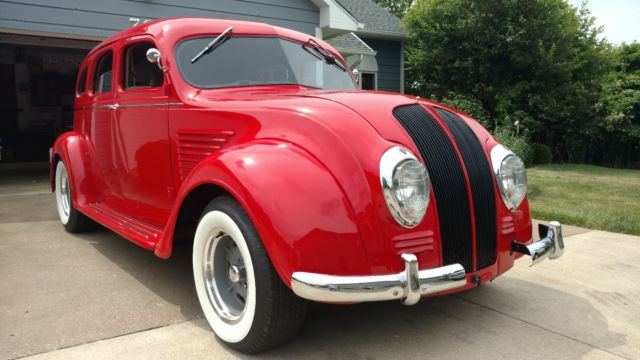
[(388, 58), (93, 18)]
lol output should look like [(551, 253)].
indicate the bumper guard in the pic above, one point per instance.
[(551, 245)]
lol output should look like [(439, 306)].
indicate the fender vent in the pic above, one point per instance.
[(508, 225), (196, 145), (413, 243)]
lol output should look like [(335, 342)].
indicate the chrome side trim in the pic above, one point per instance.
[(150, 105), (408, 285), (551, 246), (110, 106), (118, 106)]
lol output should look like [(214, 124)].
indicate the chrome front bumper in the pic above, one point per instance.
[(551, 245), (412, 283), (408, 285)]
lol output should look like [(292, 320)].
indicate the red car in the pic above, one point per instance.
[(253, 143)]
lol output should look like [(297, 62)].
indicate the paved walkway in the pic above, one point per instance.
[(97, 296)]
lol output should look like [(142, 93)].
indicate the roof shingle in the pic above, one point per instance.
[(350, 44), (375, 18)]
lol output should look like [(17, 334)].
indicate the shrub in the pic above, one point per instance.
[(518, 143), (540, 154), (469, 105)]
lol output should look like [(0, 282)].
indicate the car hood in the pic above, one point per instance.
[(376, 107), (373, 106)]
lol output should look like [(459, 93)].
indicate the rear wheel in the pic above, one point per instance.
[(73, 220), (242, 297)]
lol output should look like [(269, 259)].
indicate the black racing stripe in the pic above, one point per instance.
[(448, 183), (482, 190)]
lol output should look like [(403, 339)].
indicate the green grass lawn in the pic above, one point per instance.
[(584, 195)]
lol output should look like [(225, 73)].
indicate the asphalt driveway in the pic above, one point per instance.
[(95, 295)]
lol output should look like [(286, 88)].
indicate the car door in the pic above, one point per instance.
[(102, 106), (141, 132)]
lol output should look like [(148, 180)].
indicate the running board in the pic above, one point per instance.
[(135, 230)]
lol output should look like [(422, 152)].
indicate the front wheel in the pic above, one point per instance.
[(245, 302)]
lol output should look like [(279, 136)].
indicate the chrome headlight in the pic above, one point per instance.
[(405, 185), (510, 175)]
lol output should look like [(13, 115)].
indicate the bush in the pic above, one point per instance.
[(540, 154), (469, 105), (519, 144)]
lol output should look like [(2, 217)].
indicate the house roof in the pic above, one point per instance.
[(350, 43), (376, 19)]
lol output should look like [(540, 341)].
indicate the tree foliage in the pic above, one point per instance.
[(538, 62), (619, 108), (396, 7), (469, 105)]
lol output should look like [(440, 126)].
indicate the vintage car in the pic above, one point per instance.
[(253, 143)]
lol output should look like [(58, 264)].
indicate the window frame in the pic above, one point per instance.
[(97, 63), (127, 45), (84, 70)]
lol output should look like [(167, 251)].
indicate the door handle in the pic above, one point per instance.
[(111, 106)]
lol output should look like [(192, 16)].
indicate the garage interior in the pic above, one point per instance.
[(37, 87)]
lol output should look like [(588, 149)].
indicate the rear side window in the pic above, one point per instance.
[(138, 72), (82, 82), (104, 74)]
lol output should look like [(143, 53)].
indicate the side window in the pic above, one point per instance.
[(82, 82), (138, 72), (104, 73)]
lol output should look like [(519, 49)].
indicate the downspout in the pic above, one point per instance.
[(402, 67)]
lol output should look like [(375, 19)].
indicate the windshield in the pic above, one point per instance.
[(246, 61)]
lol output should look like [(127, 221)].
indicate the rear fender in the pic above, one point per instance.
[(301, 213)]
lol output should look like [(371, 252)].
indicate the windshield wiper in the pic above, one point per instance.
[(217, 41), (323, 54)]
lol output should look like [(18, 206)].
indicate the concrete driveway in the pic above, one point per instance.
[(96, 296)]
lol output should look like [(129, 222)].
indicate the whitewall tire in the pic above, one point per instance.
[(63, 193), (72, 219), (246, 304), (218, 234)]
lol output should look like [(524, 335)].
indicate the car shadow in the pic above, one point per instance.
[(454, 326), (486, 320), (170, 279)]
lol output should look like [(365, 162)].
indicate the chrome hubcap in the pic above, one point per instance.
[(234, 274), (65, 194), (225, 277)]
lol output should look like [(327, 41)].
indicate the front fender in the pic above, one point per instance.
[(301, 213), (73, 149)]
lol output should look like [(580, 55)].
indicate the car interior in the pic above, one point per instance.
[(138, 72)]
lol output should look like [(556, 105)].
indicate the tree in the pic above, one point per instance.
[(396, 7), (619, 107), (538, 62)]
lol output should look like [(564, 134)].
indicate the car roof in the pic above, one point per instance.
[(175, 29)]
